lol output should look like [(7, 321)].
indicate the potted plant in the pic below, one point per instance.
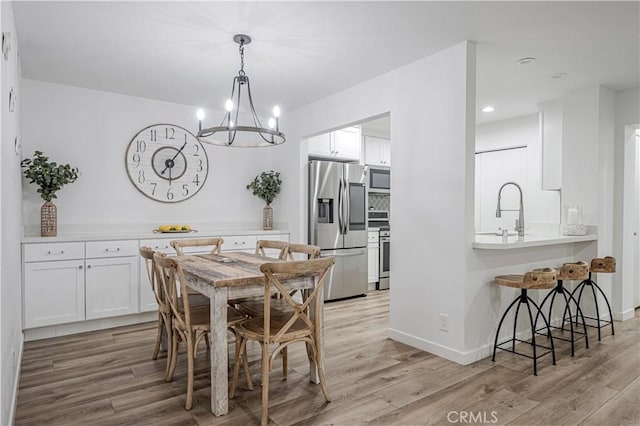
[(266, 186), (50, 177)]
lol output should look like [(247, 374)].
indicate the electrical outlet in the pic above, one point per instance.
[(444, 322)]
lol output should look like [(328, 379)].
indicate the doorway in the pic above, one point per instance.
[(631, 214)]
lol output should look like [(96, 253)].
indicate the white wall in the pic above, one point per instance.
[(92, 129), (432, 104), (495, 168), (627, 113), (11, 337)]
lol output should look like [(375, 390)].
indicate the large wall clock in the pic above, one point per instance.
[(167, 163)]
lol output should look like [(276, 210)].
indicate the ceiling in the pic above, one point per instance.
[(303, 51)]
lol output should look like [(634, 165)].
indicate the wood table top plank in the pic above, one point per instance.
[(225, 270)]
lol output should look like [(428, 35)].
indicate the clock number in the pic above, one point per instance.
[(185, 189), (169, 194), (195, 145), (141, 177), (154, 135), (141, 146), (199, 165), (153, 191), (196, 180), (169, 133), (136, 160)]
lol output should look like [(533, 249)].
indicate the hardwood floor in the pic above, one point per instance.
[(108, 378)]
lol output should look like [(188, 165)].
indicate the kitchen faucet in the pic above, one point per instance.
[(520, 220)]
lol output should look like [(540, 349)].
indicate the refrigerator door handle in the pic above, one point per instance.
[(358, 253), (347, 197), (340, 207)]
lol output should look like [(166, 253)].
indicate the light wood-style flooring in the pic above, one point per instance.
[(108, 378)]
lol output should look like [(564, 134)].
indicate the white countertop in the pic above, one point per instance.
[(495, 242), (131, 234)]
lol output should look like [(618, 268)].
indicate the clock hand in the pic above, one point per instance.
[(170, 175), (174, 157)]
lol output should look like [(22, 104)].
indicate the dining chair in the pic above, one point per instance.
[(164, 310), (215, 243), (283, 246), (189, 325), (283, 330)]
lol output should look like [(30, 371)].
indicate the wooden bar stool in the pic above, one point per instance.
[(606, 265), (568, 271), (534, 280)]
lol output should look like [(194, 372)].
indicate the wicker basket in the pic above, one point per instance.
[(267, 218), (48, 220)]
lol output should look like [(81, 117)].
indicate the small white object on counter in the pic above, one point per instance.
[(572, 216)]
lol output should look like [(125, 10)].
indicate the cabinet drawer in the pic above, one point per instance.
[(53, 251), (373, 237), (96, 249), (244, 242), (159, 244)]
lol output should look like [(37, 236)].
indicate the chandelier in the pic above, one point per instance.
[(230, 132)]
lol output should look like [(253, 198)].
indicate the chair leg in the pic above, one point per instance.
[(495, 342), (284, 363), (515, 327), (568, 308), (320, 367), (168, 323), (533, 339), (548, 325), (240, 343), (613, 331), (190, 367), (245, 363), (174, 356), (579, 313), (265, 383), (550, 294), (156, 350)]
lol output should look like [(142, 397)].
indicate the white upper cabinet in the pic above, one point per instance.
[(377, 151), (343, 144)]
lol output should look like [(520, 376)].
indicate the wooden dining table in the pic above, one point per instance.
[(224, 277)]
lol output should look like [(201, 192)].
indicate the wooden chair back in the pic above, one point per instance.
[(170, 276), (215, 243), (312, 252), (148, 255), (275, 273), (261, 245)]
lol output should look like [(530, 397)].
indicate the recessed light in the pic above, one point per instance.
[(488, 109), (525, 61), (558, 75)]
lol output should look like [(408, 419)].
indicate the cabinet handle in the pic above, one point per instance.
[(55, 252), (117, 249), (88, 266), (80, 267)]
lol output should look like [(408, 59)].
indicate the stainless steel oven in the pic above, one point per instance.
[(385, 245)]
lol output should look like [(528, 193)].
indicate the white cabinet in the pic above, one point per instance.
[(344, 144), (551, 141), (147, 300), (111, 287), (101, 283), (373, 263), (377, 151), (245, 243), (53, 292)]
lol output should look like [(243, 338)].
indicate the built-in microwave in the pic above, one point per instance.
[(379, 179)]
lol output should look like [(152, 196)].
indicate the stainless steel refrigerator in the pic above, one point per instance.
[(338, 224)]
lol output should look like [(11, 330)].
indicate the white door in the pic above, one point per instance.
[(631, 220), (111, 287), (53, 293)]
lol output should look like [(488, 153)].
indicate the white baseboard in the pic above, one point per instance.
[(16, 382), (625, 315), (446, 352)]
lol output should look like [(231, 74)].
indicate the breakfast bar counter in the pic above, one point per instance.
[(496, 242)]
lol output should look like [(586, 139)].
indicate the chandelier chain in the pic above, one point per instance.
[(241, 48)]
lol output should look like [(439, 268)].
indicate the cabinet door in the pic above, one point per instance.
[(111, 287), (53, 293), (372, 151), (147, 300), (346, 143), (373, 263), (385, 152), (321, 145)]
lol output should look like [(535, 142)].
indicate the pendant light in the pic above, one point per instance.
[(231, 132)]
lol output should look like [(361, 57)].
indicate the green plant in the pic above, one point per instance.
[(49, 176), (266, 186)]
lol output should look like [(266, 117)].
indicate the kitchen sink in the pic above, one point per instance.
[(499, 234)]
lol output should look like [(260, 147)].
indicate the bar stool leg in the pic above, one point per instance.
[(551, 294), (533, 338), (578, 312), (546, 323), (495, 342), (568, 308), (515, 324), (595, 298), (613, 331)]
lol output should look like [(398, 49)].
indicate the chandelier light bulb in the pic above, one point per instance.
[(276, 111), (231, 125), (228, 105), (272, 123), (200, 114)]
